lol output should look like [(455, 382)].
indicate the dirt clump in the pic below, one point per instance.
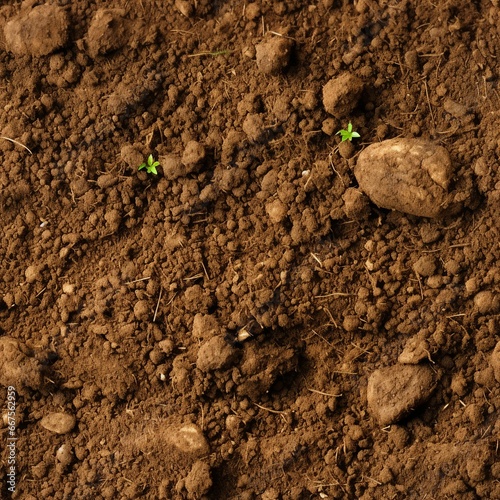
[(341, 94), (107, 32), (37, 32), (198, 481), (495, 361), (273, 55), (19, 368), (394, 391)]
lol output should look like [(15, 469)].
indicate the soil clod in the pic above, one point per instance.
[(395, 391)]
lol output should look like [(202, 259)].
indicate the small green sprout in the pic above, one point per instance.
[(348, 135), (150, 165)]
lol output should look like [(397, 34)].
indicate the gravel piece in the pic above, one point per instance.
[(58, 423)]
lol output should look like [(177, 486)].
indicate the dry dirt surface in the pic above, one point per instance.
[(274, 314)]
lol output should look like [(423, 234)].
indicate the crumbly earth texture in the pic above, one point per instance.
[(210, 331)]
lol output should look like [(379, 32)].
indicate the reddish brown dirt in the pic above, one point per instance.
[(126, 292)]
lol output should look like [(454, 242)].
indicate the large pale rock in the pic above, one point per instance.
[(409, 175), (39, 32), (395, 391)]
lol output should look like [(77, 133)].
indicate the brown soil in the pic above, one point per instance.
[(210, 332)]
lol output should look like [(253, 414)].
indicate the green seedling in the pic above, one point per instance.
[(349, 134), (150, 165)]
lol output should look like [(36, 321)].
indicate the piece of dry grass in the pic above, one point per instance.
[(17, 142)]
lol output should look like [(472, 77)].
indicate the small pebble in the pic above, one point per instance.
[(142, 310), (64, 454), (59, 423), (189, 439), (487, 302), (32, 273)]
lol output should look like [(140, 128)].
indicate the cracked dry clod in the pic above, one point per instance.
[(409, 175), (341, 94), (395, 391), (39, 32), (17, 367), (273, 55)]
